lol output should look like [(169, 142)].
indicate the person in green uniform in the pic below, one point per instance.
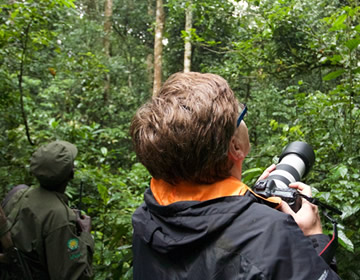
[(54, 239)]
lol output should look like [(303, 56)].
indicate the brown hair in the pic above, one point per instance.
[(184, 132)]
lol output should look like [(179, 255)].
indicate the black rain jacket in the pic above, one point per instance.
[(231, 237)]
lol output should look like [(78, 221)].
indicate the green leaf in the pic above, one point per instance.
[(274, 124), (250, 174), (53, 123), (336, 58), (104, 151), (352, 44), (338, 23), (333, 75), (14, 14), (256, 170), (349, 211), (69, 4), (345, 241), (184, 34), (103, 191), (341, 171), (123, 247), (357, 70)]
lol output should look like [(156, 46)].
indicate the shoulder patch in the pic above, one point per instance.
[(73, 244)]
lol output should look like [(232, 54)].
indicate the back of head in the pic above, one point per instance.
[(53, 164), (184, 132)]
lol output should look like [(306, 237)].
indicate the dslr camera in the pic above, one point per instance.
[(295, 162)]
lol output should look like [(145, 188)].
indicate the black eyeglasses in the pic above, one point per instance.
[(242, 115)]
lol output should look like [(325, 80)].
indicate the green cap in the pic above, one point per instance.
[(52, 164)]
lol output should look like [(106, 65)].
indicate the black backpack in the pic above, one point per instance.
[(12, 263)]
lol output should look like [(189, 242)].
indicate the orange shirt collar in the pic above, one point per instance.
[(166, 193)]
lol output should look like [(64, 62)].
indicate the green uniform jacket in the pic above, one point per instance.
[(44, 229)]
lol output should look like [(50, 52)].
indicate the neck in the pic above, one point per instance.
[(236, 170), (62, 188)]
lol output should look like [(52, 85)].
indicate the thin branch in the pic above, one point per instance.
[(20, 80)]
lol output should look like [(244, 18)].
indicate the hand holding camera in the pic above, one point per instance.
[(282, 180), (307, 217), (295, 162)]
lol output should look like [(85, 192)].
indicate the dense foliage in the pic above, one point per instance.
[(295, 63)]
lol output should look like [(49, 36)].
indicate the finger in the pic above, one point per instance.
[(284, 207), (297, 185), (271, 168), (305, 206), (301, 187), (267, 171)]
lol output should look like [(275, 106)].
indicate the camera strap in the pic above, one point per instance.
[(329, 250), (272, 201), (317, 202)]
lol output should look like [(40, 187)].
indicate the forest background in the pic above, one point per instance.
[(78, 70)]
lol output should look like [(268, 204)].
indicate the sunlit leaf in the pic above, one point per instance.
[(340, 171), (338, 23), (345, 241), (104, 151)]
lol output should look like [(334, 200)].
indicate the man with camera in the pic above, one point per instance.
[(198, 220), (51, 240)]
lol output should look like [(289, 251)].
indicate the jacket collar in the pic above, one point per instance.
[(166, 193)]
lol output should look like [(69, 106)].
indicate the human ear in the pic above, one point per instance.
[(236, 151)]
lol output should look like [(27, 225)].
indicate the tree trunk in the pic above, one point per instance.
[(92, 9), (107, 43), (150, 67), (188, 26), (150, 56), (159, 29)]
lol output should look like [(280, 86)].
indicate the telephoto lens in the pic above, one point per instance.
[(295, 162)]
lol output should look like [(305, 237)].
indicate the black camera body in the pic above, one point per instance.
[(295, 162)]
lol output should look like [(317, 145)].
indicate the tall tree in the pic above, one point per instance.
[(150, 56), (91, 8), (107, 43), (188, 27), (158, 48)]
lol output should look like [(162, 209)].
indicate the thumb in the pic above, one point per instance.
[(284, 207)]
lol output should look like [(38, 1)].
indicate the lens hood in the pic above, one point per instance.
[(303, 150)]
